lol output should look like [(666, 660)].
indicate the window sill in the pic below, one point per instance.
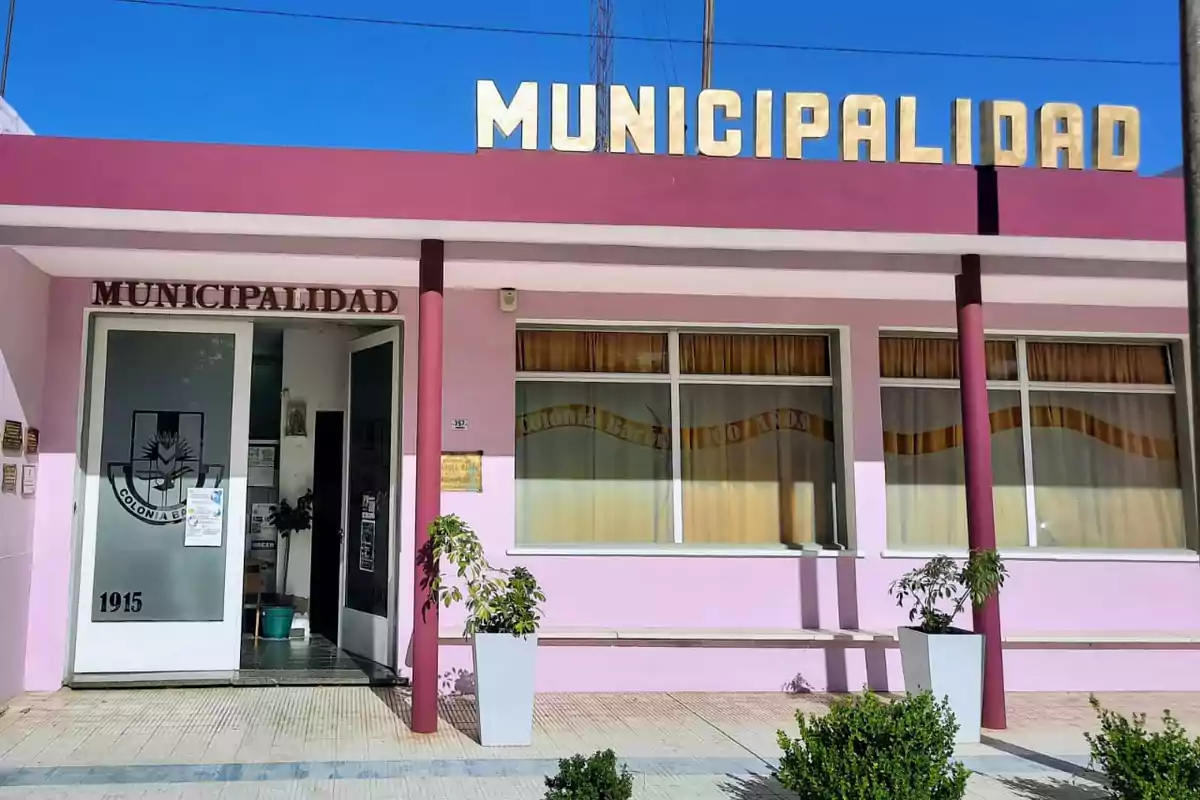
[(1053, 554), (682, 551)]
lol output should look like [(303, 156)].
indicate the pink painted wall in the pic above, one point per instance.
[(695, 592), (522, 186), (22, 356), (50, 584), (686, 591)]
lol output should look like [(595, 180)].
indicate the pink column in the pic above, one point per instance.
[(977, 453), (429, 483)]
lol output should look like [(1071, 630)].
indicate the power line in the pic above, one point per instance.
[(658, 57), (811, 48), (670, 44)]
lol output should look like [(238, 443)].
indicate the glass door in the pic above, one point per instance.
[(160, 581), (368, 624)]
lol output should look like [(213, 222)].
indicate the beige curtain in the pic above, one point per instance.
[(925, 473), (757, 460), (1105, 467), (593, 464), (758, 465), (931, 358), (594, 460), (591, 351), (753, 354)]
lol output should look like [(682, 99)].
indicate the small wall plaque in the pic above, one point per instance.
[(462, 472), (296, 422), (460, 424), (31, 441), (13, 439), (28, 480), (9, 483)]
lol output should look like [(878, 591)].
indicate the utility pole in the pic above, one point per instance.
[(706, 72), (12, 13), (1189, 60)]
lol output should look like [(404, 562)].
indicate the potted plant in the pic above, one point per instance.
[(937, 656), (502, 622), (286, 519)]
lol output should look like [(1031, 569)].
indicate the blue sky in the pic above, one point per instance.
[(107, 69)]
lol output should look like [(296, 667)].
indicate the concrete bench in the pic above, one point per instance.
[(820, 637), (680, 637), (1103, 640)]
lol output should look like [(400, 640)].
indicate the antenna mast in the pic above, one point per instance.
[(8, 30), (602, 67), (707, 51)]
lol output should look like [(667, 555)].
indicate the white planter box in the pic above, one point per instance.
[(504, 673), (951, 666)]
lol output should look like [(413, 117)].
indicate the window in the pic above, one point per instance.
[(1095, 466), (674, 438), (922, 443), (1105, 466)]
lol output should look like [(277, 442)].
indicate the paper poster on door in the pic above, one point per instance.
[(366, 546), (260, 518), (205, 508), (260, 465)]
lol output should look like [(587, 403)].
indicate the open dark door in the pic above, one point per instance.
[(368, 624), (325, 575)]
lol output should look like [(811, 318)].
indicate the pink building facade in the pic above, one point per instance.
[(720, 420)]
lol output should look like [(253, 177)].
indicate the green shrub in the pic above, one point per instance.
[(1141, 765), (868, 749), (593, 778)]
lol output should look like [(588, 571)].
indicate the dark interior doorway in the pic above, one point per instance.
[(324, 611)]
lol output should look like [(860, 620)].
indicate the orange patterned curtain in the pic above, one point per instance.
[(926, 357), (1096, 362), (591, 351), (753, 354)]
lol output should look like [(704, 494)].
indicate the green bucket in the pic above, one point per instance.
[(277, 622)]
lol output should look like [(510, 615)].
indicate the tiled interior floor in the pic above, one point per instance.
[(303, 663)]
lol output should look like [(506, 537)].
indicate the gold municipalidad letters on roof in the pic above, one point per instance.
[(725, 126)]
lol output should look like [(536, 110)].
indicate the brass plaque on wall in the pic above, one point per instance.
[(13, 435), (462, 472)]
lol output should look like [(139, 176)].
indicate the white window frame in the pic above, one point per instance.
[(1026, 387), (675, 379)]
